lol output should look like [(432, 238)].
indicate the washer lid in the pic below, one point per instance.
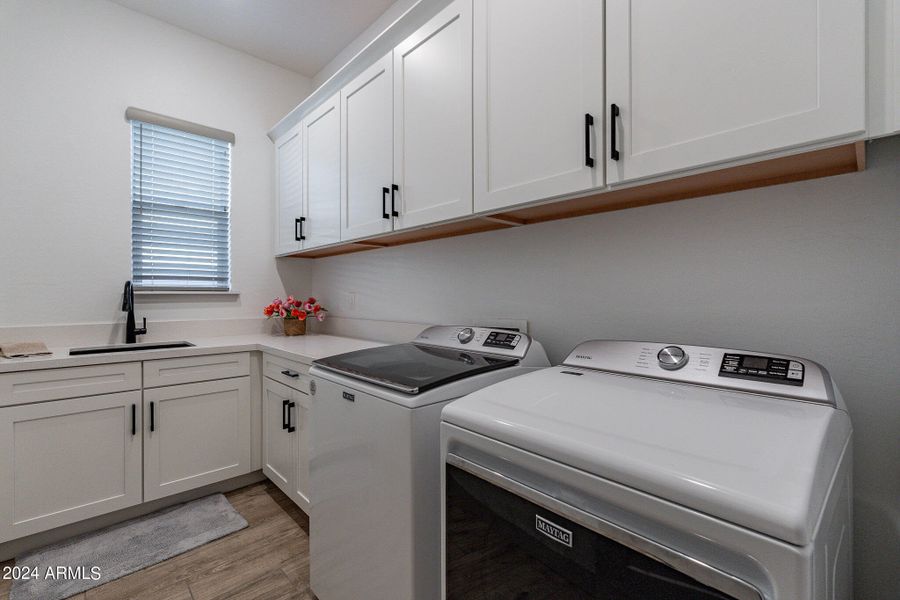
[(753, 460), (413, 368)]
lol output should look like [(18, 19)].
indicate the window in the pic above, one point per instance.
[(180, 205)]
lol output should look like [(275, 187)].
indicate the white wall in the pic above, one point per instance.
[(808, 269), (391, 14), (68, 70)]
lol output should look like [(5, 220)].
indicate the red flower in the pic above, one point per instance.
[(296, 313), (301, 315), (311, 300), (316, 308), (267, 311)]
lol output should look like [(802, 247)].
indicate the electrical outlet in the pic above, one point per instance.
[(520, 325), (349, 302)]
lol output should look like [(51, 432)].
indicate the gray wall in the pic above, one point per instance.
[(809, 269)]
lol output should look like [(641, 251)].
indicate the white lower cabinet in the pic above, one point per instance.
[(195, 434), (68, 460), (286, 440)]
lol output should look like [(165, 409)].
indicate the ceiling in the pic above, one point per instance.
[(300, 35)]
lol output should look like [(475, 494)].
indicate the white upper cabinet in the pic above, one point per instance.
[(289, 192), (883, 38), (321, 221), (367, 152), (538, 84), (433, 119), (698, 82)]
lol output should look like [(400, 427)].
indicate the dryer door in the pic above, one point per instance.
[(504, 541)]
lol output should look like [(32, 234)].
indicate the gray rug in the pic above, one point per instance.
[(124, 548)]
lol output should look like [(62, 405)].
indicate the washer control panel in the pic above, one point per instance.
[(762, 368), (502, 339), (487, 340)]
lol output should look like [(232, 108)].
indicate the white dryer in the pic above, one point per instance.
[(376, 458), (640, 470)]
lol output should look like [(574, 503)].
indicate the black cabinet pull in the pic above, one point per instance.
[(152, 419), (284, 417), (588, 124), (291, 374), (134, 419), (290, 428), (613, 114), (394, 188), (384, 212), (298, 229)]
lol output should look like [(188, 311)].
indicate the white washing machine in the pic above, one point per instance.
[(642, 470), (375, 456)]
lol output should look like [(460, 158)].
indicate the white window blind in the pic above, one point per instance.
[(180, 209)]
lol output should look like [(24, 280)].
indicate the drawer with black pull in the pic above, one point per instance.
[(289, 372)]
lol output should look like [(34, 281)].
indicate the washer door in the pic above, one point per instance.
[(503, 542)]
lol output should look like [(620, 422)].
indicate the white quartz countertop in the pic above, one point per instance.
[(304, 349)]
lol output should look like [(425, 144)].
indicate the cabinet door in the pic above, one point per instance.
[(433, 119), (68, 460), (299, 419), (278, 445), (701, 81), (367, 152), (195, 434), (538, 84), (288, 191), (322, 174)]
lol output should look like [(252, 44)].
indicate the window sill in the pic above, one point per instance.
[(222, 294)]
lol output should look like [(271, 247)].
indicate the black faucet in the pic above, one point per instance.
[(131, 332)]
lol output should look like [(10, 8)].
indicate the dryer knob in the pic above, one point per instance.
[(465, 335), (672, 358)]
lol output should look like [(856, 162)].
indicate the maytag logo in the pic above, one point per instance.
[(553, 531), (349, 396), (584, 356)]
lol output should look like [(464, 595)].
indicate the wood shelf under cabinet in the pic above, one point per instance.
[(837, 160)]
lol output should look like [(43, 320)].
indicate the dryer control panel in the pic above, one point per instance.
[(762, 368), (725, 368)]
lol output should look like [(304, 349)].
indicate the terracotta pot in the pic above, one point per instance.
[(294, 327)]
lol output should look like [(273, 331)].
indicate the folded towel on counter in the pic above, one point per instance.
[(20, 349)]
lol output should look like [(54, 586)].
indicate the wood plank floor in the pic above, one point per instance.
[(269, 559)]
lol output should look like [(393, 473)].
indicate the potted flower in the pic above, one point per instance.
[(294, 313)]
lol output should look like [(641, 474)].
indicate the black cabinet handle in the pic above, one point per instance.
[(613, 114), (284, 417), (298, 229), (134, 419), (384, 212), (152, 419), (394, 188), (290, 428), (588, 124), (292, 374)]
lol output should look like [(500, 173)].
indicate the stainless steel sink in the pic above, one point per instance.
[(129, 347)]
